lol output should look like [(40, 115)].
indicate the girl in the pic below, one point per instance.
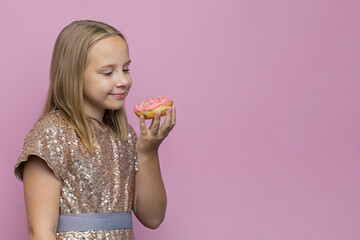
[(84, 169)]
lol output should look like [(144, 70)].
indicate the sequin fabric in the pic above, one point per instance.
[(99, 181)]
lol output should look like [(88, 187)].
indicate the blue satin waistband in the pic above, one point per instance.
[(94, 221)]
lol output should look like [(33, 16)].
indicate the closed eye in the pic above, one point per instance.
[(126, 70), (107, 73)]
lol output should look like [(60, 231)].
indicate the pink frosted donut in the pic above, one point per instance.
[(151, 106)]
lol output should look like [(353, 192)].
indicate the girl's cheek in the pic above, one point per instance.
[(107, 83)]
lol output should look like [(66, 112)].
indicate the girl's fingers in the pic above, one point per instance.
[(154, 128), (143, 129), (166, 126), (152, 122), (173, 119)]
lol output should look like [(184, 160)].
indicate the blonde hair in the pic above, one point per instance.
[(68, 64)]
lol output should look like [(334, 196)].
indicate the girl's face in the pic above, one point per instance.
[(106, 77)]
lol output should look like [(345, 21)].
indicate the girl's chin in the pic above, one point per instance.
[(115, 108)]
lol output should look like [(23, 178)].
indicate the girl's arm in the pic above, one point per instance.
[(150, 195), (42, 197)]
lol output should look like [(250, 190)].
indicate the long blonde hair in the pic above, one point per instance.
[(66, 79)]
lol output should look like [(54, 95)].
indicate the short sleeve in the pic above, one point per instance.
[(45, 140), (132, 138)]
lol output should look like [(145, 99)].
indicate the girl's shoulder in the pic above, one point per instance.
[(46, 139), (52, 122)]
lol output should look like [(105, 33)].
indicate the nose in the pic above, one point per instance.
[(121, 81)]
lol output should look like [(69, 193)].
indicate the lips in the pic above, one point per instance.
[(118, 95)]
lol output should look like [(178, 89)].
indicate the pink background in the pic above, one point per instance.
[(267, 142)]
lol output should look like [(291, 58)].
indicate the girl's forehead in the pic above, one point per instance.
[(108, 45), (113, 48)]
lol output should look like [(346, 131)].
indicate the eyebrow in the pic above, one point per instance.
[(112, 65)]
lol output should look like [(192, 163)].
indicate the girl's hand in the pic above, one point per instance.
[(150, 139)]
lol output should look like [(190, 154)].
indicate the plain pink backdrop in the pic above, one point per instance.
[(267, 142)]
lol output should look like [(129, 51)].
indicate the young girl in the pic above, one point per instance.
[(84, 169)]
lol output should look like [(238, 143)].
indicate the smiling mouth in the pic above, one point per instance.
[(119, 95)]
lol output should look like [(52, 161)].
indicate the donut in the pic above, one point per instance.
[(149, 107)]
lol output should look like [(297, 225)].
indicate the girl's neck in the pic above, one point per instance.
[(95, 115), (97, 123)]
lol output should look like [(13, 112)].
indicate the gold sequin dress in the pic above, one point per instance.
[(99, 181)]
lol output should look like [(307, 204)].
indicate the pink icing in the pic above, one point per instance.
[(151, 103)]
